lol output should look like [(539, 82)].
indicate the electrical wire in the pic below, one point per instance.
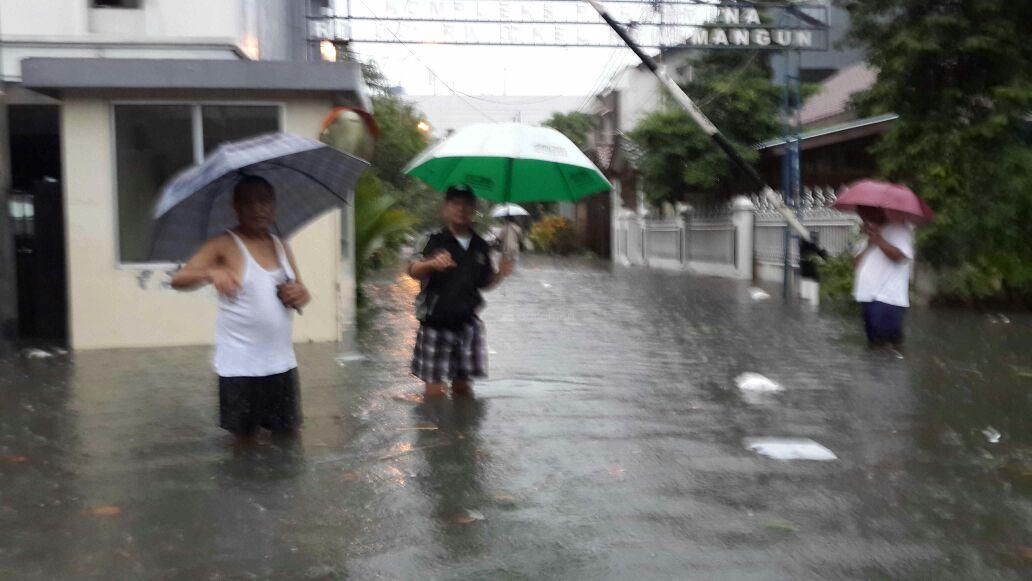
[(428, 67)]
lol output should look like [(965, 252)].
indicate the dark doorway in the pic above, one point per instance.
[(38, 226)]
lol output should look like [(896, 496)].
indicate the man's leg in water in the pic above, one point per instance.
[(462, 387), (436, 389)]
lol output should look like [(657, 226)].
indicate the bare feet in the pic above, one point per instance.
[(434, 390), (462, 388)]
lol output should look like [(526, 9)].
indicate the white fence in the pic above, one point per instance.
[(743, 239)]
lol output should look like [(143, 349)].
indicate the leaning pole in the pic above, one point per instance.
[(705, 124)]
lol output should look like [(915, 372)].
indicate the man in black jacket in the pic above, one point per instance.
[(453, 266)]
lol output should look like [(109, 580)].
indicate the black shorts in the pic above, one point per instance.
[(272, 402)]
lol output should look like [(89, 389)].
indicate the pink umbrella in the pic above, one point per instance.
[(885, 195)]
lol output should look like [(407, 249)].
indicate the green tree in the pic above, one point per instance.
[(380, 225), (959, 74), (735, 91), (576, 126), (400, 138)]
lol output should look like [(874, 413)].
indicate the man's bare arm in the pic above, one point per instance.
[(874, 238), (294, 294), (207, 266)]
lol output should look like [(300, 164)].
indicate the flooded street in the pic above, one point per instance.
[(611, 442)]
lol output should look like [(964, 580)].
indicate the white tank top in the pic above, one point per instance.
[(253, 329)]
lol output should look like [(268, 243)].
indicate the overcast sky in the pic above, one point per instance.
[(490, 70)]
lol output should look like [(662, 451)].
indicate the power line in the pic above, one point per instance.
[(428, 68)]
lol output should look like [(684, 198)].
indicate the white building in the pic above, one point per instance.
[(104, 100)]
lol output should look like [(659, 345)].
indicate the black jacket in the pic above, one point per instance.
[(452, 297)]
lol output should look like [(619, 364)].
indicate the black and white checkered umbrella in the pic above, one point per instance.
[(309, 177)]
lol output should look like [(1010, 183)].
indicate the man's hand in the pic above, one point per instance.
[(293, 295), (441, 260), (871, 230), (227, 283)]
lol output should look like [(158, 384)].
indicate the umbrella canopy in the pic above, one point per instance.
[(309, 179), (505, 210), (885, 195), (510, 162)]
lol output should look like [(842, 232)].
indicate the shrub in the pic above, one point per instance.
[(837, 278), (553, 235)]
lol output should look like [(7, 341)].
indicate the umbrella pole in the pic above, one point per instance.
[(704, 123), (506, 230)]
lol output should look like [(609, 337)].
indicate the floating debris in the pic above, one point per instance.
[(992, 435), (15, 459), (409, 397), (546, 284), (758, 294), (36, 354), (755, 382), (352, 475), (617, 471), (789, 449), (349, 358), (469, 516)]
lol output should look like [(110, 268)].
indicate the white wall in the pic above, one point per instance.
[(167, 18), (182, 29), (113, 307)]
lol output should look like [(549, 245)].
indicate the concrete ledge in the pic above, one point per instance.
[(56, 75)]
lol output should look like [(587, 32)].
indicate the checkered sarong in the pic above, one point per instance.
[(446, 354)]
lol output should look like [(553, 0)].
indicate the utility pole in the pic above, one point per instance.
[(790, 166), (8, 271), (704, 123)]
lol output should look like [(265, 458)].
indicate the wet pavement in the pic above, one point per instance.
[(609, 443)]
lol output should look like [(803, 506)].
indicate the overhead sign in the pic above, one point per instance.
[(567, 23)]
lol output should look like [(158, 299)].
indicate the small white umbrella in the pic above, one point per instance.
[(506, 210)]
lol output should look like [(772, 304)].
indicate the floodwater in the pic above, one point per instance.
[(611, 442)]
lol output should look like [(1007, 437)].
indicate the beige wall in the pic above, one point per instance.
[(113, 306)]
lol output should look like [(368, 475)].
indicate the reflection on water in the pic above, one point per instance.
[(608, 444)]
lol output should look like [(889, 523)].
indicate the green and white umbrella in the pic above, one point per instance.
[(510, 162)]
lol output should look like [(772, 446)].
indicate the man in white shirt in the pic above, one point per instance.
[(882, 284)]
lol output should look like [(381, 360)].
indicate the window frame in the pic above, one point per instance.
[(197, 139)]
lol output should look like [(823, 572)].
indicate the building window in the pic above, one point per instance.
[(154, 142), (116, 3)]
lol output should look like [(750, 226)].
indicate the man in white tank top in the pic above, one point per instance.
[(259, 286)]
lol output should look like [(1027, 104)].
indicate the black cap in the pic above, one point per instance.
[(459, 192)]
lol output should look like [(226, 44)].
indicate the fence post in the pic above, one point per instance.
[(743, 217), (643, 231)]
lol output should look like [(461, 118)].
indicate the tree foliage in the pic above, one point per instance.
[(959, 74), (575, 125), (735, 91)]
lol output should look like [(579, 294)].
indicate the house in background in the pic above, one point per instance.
[(633, 93), (835, 143), (103, 101)]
